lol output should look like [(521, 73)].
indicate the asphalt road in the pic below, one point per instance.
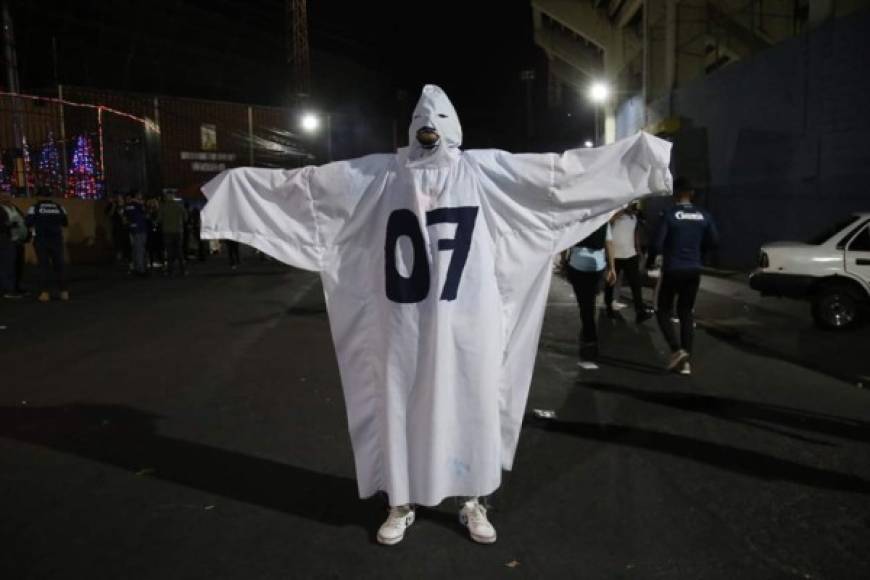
[(195, 429)]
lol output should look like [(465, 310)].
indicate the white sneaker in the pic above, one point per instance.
[(686, 369), (473, 516), (677, 358), (392, 531)]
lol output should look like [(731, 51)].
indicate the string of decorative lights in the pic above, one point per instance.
[(147, 122)]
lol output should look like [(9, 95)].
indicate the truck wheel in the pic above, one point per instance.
[(835, 307)]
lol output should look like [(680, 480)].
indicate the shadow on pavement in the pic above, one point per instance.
[(125, 437), (240, 273), (816, 352), (742, 461), (629, 365), (747, 412)]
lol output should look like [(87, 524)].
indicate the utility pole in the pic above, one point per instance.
[(297, 47), (528, 78), (11, 57)]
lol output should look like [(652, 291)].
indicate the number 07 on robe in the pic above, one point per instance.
[(435, 263)]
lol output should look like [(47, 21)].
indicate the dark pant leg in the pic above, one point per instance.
[(172, 242), (585, 286), (632, 274), (126, 246), (59, 263), (19, 267), (154, 250), (664, 307), (610, 288), (7, 267), (169, 250), (233, 252), (686, 294), (178, 242), (43, 258), (138, 240), (56, 272)]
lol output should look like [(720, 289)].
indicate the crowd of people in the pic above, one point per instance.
[(160, 234), (154, 235), (43, 226), (675, 250), (163, 234)]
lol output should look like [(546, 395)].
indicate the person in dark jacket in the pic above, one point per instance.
[(155, 247), (172, 218), (47, 219), (137, 227), (120, 237), (685, 233)]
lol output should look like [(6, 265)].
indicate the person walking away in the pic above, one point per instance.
[(685, 233), (120, 237), (20, 235), (47, 219), (626, 257), (172, 217), (137, 226), (193, 225), (156, 258), (587, 261)]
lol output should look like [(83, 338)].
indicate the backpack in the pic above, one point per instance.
[(18, 231)]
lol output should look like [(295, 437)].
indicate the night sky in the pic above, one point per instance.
[(368, 59)]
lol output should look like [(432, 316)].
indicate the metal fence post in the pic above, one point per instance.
[(251, 135), (62, 134)]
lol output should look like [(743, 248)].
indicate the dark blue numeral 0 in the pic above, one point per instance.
[(415, 288)]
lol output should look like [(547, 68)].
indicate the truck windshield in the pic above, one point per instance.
[(830, 231)]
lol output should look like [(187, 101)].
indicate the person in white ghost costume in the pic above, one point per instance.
[(436, 264)]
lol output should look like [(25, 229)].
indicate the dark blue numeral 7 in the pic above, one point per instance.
[(415, 287)]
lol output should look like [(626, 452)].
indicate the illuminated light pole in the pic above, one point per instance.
[(310, 123), (599, 93)]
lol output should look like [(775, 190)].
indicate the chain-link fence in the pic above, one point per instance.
[(50, 145)]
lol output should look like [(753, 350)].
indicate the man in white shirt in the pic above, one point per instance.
[(626, 256)]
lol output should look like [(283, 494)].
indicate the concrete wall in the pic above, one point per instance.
[(779, 142)]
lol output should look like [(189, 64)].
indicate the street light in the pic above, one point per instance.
[(310, 123), (588, 143), (599, 92)]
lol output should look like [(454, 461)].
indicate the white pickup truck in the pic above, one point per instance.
[(832, 271)]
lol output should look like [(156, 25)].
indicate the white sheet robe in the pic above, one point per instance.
[(436, 266)]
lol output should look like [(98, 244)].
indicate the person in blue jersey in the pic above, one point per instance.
[(588, 260), (137, 226), (47, 219), (685, 233)]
